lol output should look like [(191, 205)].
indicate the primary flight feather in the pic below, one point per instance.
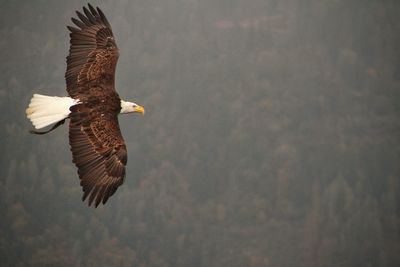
[(98, 148)]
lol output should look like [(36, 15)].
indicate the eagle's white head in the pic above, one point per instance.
[(129, 107)]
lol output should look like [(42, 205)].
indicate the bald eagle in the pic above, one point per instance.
[(98, 148)]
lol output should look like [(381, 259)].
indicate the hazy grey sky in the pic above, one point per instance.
[(271, 136)]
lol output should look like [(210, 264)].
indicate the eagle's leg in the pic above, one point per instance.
[(61, 122)]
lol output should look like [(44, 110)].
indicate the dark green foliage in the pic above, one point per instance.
[(271, 136)]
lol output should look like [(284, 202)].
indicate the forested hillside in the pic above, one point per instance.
[(271, 136)]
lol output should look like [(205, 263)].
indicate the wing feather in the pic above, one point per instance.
[(83, 18), (90, 16), (72, 29), (100, 157), (93, 10), (93, 53), (103, 18), (78, 23)]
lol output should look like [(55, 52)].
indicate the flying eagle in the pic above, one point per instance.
[(98, 148)]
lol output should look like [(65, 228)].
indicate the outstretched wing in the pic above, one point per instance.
[(98, 150), (97, 146), (93, 53)]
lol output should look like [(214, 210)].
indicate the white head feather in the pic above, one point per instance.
[(129, 107)]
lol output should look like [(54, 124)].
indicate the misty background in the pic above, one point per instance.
[(271, 136)]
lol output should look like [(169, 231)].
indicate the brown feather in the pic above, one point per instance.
[(89, 16), (73, 29), (103, 18), (94, 12), (100, 195), (84, 19), (93, 194), (78, 23)]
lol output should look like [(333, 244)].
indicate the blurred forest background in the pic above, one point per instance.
[(271, 136)]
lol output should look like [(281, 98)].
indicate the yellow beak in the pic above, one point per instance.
[(139, 109)]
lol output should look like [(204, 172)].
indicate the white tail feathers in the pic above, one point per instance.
[(45, 110)]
